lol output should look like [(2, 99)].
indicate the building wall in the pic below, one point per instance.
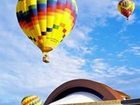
[(78, 97)]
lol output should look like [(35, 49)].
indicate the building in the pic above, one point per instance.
[(81, 91)]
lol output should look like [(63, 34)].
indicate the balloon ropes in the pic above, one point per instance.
[(126, 7), (46, 22)]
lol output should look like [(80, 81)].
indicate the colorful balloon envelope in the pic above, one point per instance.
[(31, 100), (46, 22), (126, 7)]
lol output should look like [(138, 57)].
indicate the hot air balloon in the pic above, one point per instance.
[(46, 22), (31, 100), (126, 7)]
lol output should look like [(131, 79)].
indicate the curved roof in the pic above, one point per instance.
[(104, 92)]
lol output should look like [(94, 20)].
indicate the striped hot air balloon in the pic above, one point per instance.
[(31, 100), (126, 7), (46, 22)]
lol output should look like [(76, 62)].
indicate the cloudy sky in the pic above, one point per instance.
[(103, 46)]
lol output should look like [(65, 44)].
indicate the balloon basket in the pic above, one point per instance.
[(45, 58), (127, 18)]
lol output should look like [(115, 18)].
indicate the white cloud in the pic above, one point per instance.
[(98, 11), (132, 19), (79, 37), (130, 81), (32, 77), (79, 41), (101, 67), (134, 50), (133, 79)]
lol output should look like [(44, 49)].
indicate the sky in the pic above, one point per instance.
[(103, 47)]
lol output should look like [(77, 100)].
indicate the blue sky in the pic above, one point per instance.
[(103, 46)]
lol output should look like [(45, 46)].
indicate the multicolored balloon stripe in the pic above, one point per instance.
[(126, 7), (31, 100), (46, 22)]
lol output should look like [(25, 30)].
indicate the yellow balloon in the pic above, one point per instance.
[(46, 22), (126, 7), (31, 100)]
